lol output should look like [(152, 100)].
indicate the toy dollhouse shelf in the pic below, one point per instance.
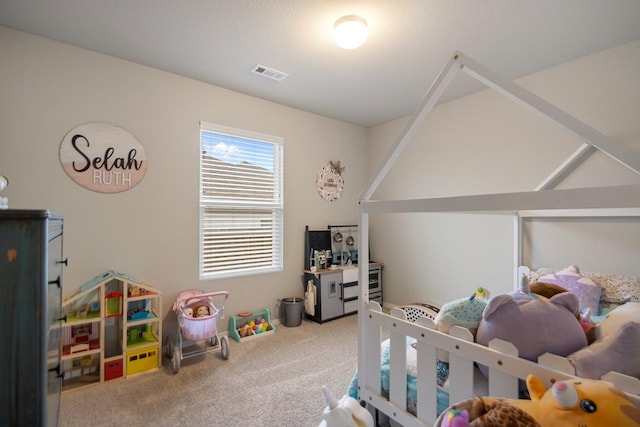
[(111, 330)]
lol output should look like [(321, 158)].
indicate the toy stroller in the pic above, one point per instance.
[(197, 322)]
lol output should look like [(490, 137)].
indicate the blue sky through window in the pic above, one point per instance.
[(233, 149)]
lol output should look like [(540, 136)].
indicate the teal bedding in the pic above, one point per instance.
[(441, 395)]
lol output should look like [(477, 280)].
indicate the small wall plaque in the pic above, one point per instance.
[(329, 182)]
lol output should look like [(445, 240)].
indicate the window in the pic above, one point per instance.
[(241, 206)]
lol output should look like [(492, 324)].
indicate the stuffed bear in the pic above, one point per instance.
[(534, 326)]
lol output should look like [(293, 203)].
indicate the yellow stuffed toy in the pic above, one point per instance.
[(575, 402)]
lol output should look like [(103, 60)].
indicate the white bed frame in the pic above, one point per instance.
[(501, 357)]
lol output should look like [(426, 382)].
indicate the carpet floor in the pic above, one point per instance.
[(270, 380)]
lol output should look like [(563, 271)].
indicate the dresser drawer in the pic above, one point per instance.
[(350, 306), (352, 291), (350, 275)]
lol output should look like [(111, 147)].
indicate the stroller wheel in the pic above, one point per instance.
[(175, 360), (224, 347), (213, 340), (168, 349)]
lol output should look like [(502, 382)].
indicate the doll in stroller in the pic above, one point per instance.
[(197, 326)]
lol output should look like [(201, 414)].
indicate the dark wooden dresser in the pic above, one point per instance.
[(31, 263)]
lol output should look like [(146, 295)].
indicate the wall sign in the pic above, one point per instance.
[(329, 182), (103, 157)]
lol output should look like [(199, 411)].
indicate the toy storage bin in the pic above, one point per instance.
[(113, 369), (237, 322), (143, 359)]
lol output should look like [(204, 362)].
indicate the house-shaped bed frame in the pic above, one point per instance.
[(544, 200)]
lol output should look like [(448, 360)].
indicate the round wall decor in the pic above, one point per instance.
[(103, 157), (329, 182)]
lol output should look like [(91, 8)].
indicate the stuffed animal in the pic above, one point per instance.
[(465, 312), (456, 418), (587, 290), (546, 290), (200, 311), (188, 312), (575, 402), (534, 326), (534, 290), (345, 412), (616, 346)]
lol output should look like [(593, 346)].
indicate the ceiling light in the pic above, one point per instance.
[(350, 32)]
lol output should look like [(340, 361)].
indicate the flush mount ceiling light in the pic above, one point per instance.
[(350, 32)]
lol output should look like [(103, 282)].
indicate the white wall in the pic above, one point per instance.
[(151, 231), (485, 143)]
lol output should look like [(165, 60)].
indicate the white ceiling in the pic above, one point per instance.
[(220, 41)]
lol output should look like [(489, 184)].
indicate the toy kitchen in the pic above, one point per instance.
[(331, 273)]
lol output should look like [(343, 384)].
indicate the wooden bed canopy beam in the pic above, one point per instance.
[(426, 105), (522, 96), (459, 61), (612, 197), (562, 171)]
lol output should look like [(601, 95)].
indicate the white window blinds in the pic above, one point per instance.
[(241, 206)]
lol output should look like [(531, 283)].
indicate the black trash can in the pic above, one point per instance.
[(291, 311)]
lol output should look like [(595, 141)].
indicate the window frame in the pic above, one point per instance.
[(243, 205)]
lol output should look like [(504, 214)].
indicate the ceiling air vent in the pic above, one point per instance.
[(269, 73)]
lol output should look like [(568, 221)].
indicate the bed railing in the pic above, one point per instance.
[(504, 366)]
